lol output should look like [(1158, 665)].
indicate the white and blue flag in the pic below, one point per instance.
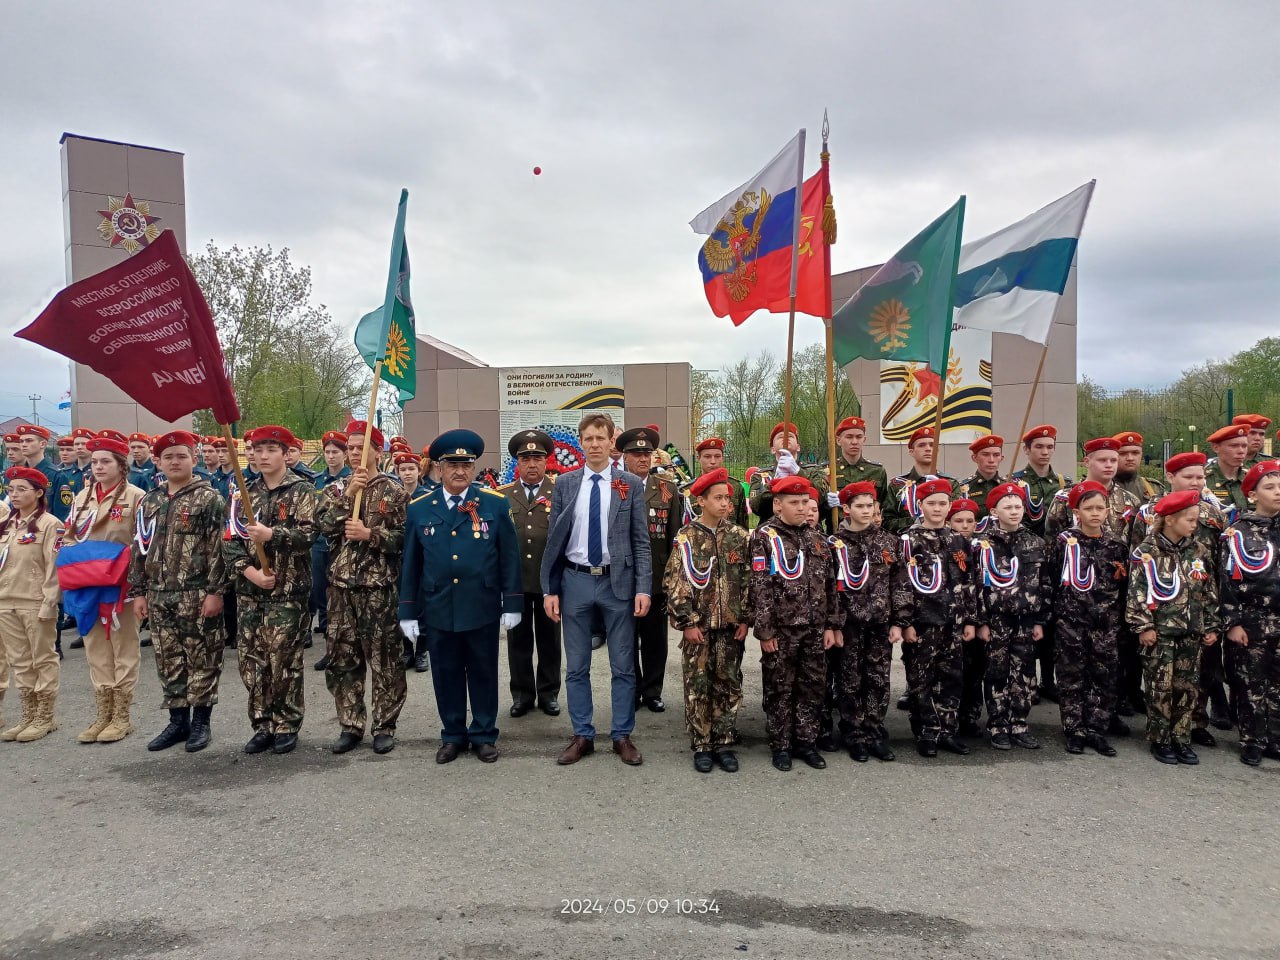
[(1011, 281)]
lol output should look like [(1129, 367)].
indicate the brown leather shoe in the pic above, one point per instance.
[(625, 749), (578, 748)]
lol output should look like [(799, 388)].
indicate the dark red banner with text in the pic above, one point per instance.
[(145, 326)]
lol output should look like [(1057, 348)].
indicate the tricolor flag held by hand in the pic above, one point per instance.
[(1012, 280), (748, 259)]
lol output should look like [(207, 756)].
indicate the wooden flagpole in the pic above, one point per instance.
[(1026, 415), (828, 228), (246, 503), (368, 435), (795, 270)]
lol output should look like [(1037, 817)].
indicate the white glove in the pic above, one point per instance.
[(410, 629), (787, 466), (511, 620), (833, 501)]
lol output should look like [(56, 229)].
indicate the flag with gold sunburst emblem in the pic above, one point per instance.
[(904, 311), (387, 334)]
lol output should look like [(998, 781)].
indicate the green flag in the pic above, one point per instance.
[(904, 311), (388, 334)]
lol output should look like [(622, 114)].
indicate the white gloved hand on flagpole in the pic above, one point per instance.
[(511, 620), (410, 629), (787, 466)]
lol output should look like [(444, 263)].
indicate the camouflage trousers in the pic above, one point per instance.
[(271, 634), (1255, 684), (1213, 677), (1011, 673), (934, 670), (363, 633), (1171, 670), (1087, 667), (712, 689), (794, 678), (973, 671), (862, 684), (188, 648)]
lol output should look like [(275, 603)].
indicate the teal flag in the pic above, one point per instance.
[(904, 311), (388, 333)]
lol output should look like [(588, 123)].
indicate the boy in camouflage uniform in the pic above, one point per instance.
[(865, 562), (1173, 608), (936, 585), (1250, 587), (962, 518), (1088, 570), (364, 584), (177, 575), (706, 582), (796, 618), (273, 617), (1010, 594)]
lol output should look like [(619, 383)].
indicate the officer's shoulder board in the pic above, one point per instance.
[(493, 493), (873, 463), (423, 497)]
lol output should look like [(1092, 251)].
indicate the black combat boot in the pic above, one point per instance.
[(201, 732), (179, 729)]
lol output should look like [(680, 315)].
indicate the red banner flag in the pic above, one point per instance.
[(145, 326), (813, 291)]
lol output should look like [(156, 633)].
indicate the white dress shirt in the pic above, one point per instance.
[(577, 552)]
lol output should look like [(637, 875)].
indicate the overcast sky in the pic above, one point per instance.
[(301, 121)]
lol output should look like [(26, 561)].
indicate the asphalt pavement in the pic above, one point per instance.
[(113, 852)]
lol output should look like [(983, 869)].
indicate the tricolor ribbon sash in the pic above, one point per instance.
[(699, 578), (925, 585), (992, 575), (1240, 561), (1074, 572), (778, 558), (846, 578)]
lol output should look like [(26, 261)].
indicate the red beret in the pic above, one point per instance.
[(33, 430), (29, 474), (926, 488), (362, 427), (924, 433), (1180, 461), (1256, 473), (115, 435), (66, 441), (175, 438), (1005, 490), (985, 443), (140, 438), (82, 433), (405, 456), (711, 443), (789, 427), (271, 433), (850, 423), (708, 480), (1254, 420), (109, 444), (1177, 502), (1128, 439), (11, 438), (1101, 443), (960, 506), (1229, 433), (1080, 489), (784, 486), (336, 437), (426, 452), (219, 443), (750, 474), (398, 446), (857, 489), (399, 439), (1037, 433)]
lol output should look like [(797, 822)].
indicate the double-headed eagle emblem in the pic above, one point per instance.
[(730, 249)]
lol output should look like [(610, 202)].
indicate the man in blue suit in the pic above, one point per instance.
[(461, 579), (597, 552)]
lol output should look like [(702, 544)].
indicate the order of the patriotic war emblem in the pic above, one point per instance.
[(128, 223)]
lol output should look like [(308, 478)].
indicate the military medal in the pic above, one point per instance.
[(926, 586), (1198, 572)]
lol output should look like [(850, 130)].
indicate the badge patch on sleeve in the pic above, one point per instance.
[(759, 564)]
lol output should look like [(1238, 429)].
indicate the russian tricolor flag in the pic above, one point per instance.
[(92, 576), (747, 259)]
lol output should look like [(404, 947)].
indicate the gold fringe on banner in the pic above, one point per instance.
[(829, 220)]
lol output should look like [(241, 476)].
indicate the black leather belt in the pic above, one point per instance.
[(590, 571)]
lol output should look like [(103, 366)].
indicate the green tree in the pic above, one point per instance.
[(809, 400), (1255, 374)]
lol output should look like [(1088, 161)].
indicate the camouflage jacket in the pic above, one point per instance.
[(807, 600), (708, 577), (1086, 578), (182, 534), (899, 510), (761, 497), (865, 565), (1212, 523), (290, 511), (1011, 578), (1229, 493), (1040, 494), (976, 488), (1250, 579), (664, 505), (929, 553), (364, 563), (1172, 589), (1121, 506)]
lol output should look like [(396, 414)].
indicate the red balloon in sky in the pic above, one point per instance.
[(537, 171)]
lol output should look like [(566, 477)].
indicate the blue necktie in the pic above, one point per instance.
[(454, 501), (595, 552)]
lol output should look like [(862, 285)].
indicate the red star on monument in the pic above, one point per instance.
[(930, 384), (128, 223)]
